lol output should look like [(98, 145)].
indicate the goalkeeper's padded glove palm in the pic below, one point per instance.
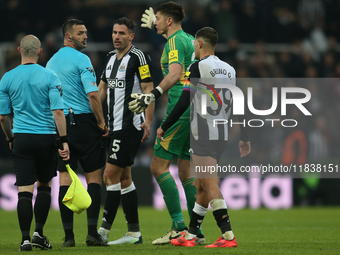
[(141, 102), (148, 19)]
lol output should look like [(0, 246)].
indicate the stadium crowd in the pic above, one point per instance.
[(260, 38)]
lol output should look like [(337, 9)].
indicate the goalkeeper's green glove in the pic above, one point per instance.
[(148, 19)]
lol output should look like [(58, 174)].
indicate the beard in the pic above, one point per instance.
[(79, 45)]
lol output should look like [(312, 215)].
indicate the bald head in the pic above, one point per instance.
[(30, 46)]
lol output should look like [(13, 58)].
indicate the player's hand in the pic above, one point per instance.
[(141, 102), (10, 142), (147, 129), (160, 133), (245, 148), (148, 19), (65, 152), (10, 145), (104, 129)]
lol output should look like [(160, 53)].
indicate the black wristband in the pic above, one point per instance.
[(64, 139), (10, 140), (244, 138), (244, 135), (156, 93)]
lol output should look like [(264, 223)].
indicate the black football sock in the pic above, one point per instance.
[(94, 190), (41, 208), (197, 215), (222, 220), (66, 214), (25, 214), (130, 207), (112, 202), (220, 212)]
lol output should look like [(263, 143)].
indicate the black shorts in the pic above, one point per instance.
[(207, 148), (35, 158), (85, 143), (123, 146)]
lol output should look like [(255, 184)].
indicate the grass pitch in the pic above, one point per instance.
[(294, 231)]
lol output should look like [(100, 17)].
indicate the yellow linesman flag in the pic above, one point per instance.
[(76, 198)]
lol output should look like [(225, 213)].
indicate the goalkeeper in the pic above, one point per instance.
[(178, 54)]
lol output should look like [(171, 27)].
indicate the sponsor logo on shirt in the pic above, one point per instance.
[(91, 70), (115, 83), (173, 56), (59, 88), (144, 72)]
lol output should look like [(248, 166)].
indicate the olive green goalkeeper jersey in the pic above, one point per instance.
[(178, 49)]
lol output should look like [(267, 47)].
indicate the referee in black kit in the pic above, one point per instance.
[(35, 96), (85, 126), (128, 70)]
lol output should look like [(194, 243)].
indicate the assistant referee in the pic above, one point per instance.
[(85, 126), (35, 95)]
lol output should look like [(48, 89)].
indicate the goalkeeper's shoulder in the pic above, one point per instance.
[(185, 37)]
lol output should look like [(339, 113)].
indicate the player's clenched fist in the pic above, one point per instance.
[(141, 102), (148, 19)]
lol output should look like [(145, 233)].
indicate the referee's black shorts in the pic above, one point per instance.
[(123, 146), (85, 143), (35, 158)]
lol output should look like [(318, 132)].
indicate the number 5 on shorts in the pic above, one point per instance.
[(115, 148), (115, 145)]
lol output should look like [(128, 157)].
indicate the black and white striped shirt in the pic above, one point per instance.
[(204, 75), (124, 77), (208, 72)]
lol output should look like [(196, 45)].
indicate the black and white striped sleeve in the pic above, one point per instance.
[(144, 66)]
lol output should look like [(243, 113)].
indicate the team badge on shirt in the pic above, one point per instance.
[(122, 68), (144, 72)]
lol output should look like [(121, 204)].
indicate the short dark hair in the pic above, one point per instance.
[(68, 25), (208, 34), (173, 10), (131, 25)]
